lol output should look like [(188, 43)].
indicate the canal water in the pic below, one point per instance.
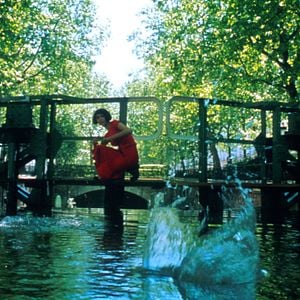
[(156, 254)]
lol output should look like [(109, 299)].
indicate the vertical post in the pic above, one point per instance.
[(123, 110), (51, 141), (202, 141), (113, 200), (263, 169), (41, 160), (11, 205), (276, 148), (42, 205), (50, 151), (273, 205), (209, 198)]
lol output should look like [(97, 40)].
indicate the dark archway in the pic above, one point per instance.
[(95, 199)]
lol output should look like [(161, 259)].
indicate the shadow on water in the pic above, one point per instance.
[(112, 236), (279, 252)]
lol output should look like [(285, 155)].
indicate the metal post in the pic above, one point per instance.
[(123, 110), (11, 206), (41, 160), (50, 152), (209, 198), (42, 195), (263, 169), (50, 145), (202, 142), (276, 157)]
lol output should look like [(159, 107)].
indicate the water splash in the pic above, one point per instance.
[(167, 240), (229, 255)]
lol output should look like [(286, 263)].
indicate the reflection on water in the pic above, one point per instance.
[(280, 256), (82, 257)]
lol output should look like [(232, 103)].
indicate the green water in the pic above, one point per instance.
[(80, 256)]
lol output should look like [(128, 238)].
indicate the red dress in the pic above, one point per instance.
[(112, 163)]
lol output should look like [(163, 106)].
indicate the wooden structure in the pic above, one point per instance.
[(23, 141), (30, 132), (273, 160)]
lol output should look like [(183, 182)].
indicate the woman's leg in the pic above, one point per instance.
[(107, 161), (131, 161)]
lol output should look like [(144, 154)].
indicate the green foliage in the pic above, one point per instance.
[(46, 47), (225, 49), (237, 50)]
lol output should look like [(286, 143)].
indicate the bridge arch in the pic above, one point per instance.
[(137, 198)]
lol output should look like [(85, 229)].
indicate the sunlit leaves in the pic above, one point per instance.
[(227, 49), (46, 45)]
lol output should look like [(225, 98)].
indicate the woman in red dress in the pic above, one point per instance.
[(112, 163)]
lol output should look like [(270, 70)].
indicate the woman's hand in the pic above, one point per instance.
[(105, 141)]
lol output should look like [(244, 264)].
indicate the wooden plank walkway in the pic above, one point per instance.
[(196, 183), (142, 182), (160, 183)]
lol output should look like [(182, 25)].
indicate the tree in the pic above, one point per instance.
[(225, 49), (47, 46)]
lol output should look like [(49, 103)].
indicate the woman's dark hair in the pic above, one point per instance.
[(106, 114)]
